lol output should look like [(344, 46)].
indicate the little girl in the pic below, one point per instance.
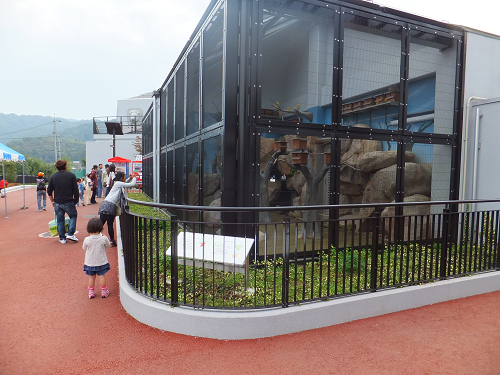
[(96, 260)]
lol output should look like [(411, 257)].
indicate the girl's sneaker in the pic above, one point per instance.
[(104, 292), (91, 293)]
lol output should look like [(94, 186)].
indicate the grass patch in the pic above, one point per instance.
[(145, 210), (331, 274)]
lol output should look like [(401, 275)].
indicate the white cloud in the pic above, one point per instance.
[(76, 59)]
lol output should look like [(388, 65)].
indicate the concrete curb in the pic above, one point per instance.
[(240, 325)]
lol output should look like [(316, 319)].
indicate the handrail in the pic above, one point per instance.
[(290, 262), (305, 208)]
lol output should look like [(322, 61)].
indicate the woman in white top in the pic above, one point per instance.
[(107, 211), (111, 176), (88, 189)]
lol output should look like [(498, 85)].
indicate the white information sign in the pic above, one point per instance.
[(213, 248)]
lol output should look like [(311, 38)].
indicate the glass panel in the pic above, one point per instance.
[(431, 93), (371, 73), (163, 178), (148, 135), (297, 63), (179, 103), (426, 178), (430, 177), (212, 178), (148, 176), (193, 179), (367, 174), (294, 171), (163, 119), (179, 176), (290, 166), (212, 69), (193, 90), (193, 159), (170, 177), (170, 112)]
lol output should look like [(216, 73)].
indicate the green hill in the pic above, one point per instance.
[(33, 136)]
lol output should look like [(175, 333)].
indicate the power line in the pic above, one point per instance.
[(33, 127), (49, 123)]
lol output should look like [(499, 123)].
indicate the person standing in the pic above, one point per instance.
[(81, 190), (93, 177), (105, 180), (88, 189), (111, 177), (41, 191), (96, 260), (99, 181), (63, 193), (107, 211), (3, 186)]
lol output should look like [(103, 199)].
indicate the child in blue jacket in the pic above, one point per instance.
[(81, 190)]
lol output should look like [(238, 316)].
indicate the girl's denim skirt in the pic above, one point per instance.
[(99, 270)]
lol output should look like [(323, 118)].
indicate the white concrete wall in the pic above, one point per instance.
[(482, 79), (241, 325), (99, 150)]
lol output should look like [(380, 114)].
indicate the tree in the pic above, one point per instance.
[(138, 144), (10, 171), (34, 165), (265, 216)]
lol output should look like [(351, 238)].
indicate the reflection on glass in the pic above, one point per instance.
[(293, 171), (193, 178), (211, 177), (170, 177), (432, 83), (371, 73), (297, 63), (193, 90), (163, 178), (147, 135), (179, 176), (170, 111), (179, 103), (432, 177), (367, 174), (163, 118), (212, 69), (192, 162)]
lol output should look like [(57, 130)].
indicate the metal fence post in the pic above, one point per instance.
[(444, 244), (374, 265), (285, 278), (174, 265)]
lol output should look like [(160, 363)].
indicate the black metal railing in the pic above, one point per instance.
[(213, 263), (129, 124)]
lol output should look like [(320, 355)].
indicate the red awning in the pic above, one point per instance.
[(119, 159)]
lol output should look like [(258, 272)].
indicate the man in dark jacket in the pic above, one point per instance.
[(93, 178), (63, 193)]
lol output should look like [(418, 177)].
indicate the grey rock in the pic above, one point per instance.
[(376, 160)]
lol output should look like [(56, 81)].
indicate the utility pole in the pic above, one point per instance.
[(59, 153), (55, 139)]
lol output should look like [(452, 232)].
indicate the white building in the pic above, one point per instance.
[(129, 114)]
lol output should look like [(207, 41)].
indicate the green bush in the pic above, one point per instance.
[(10, 171)]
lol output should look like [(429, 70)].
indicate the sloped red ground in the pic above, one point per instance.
[(49, 326)]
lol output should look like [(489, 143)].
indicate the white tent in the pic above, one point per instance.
[(6, 153)]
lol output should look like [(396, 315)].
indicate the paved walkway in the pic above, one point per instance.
[(49, 326)]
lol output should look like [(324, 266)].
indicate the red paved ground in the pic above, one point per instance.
[(49, 326)]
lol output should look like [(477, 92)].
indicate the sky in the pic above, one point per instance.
[(75, 59)]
